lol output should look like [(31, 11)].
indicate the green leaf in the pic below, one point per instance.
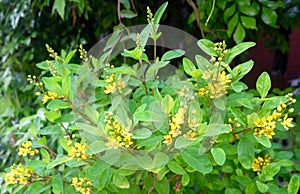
[(126, 3), (158, 14), (125, 172), (90, 129), (136, 53), (142, 133), (243, 2), (229, 12), (239, 34), (269, 171), (176, 168), (167, 104), (158, 65), (96, 147), (36, 164), (37, 187), (57, 161), (245, 102), (202, 63), (233, 22), (294, 184), (238, 49), (218, 155), (269, 16), (263, 84), (232, 191), (144, 35), (207, 46), (52, 85), (66, 86), (188, 66), (127, 14), (70, 56), (185, 179), (59, 6), (198, 162), (45, 155), (172, 54), (162, 173), (160, 160), (52, 116), (263, 140), (238, 86), (122, 70), (286, 163), (98, 167), (262, 187), (181, 142), (111, 156), (246, 152), (57, 184), (163, 187), (121, 181), (273, 102), (249, 10), (147, 116), (249, 22), (55, 105)]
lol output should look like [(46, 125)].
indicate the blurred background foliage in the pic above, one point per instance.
[(27, 25)]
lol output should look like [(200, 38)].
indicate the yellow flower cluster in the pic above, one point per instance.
[(19, 175), (220, 48), (219, 84), (150, 18), (119, 136), (52, 53), (26, 149), (52, 68), (259, 163), (174, 126), (49, 96), (266, 125), (83, 185), (78, 151), (233, 123), (190, 135), (113, 85), (83, 53), (202, 91)]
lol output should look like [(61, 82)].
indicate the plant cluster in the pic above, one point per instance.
[(125, 129)]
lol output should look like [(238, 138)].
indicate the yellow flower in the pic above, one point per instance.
[(174, 125), (259, 163), (265, 126), (19, 175), (202, 91), (83, 185), (49, 96), (191, 135), (287, 122), (168, 139), (219, 84), (26, 149), (78, 151), (118, 135)]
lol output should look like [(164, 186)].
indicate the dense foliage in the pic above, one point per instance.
[(126, 128)]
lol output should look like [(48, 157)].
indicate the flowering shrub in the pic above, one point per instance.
[(128, 129)]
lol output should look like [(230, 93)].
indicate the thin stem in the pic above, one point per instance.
[(193, 5), (154, 50), (143, 76), (211, 12), (119, 12)]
